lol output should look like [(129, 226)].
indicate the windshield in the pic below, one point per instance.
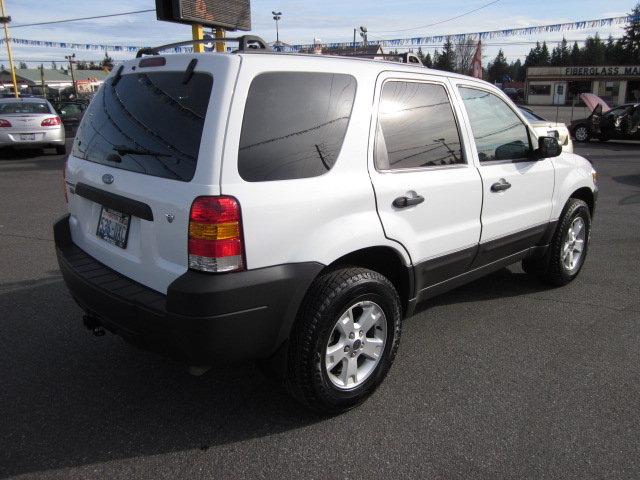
[(149, 123), (24, 107)]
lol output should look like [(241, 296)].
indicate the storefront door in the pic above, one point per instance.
[(559, 94)]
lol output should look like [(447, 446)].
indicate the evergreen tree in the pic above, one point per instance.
[(420, 55), (498, 69), (436, 58), (516, 72), (22, 65), (447, 59), (428, 62), (593, 52), (107, 62), (54, 66), (631, 40), (575, 58), (545, 58)]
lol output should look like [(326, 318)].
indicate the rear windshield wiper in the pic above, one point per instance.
[(123, 150)]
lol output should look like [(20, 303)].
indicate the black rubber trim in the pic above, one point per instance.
[(203, 318), (115, 202), (502, 247), (438, 269)]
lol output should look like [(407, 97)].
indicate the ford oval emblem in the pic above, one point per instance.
[(107, 178)]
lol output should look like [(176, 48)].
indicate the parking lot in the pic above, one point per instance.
[(502, 378)]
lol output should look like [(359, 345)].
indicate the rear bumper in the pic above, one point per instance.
[(202, 319), (49, 136)]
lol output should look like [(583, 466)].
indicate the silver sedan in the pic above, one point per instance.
[(30, 122)]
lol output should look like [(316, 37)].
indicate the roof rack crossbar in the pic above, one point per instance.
[(245, 42)]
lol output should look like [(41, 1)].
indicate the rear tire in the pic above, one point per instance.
[(344, 340), (568, 249), (61, 150)]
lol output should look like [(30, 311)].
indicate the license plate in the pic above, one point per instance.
[(113, 227), (28, 136)]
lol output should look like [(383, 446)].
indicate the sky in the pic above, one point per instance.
[(302, 21)]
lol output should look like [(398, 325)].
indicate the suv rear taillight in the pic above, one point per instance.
[(215, 235), (4, 123), (51, 122)]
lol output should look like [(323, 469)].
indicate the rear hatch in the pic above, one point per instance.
[(148, 145)]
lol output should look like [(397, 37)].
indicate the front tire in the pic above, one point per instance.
[(569, 246), (581, 134), (344, 340)]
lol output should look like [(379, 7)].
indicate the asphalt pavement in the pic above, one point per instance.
[(502, 378)]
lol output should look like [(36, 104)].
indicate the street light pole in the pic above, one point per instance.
[(277, 16), (71, 59), (363, 34), (5, 19)]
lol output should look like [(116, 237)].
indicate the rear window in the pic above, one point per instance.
[(24, 107), (149, 123), (294, 124)]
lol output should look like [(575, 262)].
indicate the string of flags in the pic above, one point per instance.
[(455, 38), (393, 43)]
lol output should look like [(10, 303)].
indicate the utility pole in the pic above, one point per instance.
[(354, 39), (277, 16), (5, 19), (44, 85), (71, 59)]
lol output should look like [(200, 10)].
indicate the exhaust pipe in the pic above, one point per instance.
[(92, 323)]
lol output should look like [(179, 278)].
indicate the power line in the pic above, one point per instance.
[(83, 18), (442, 21)]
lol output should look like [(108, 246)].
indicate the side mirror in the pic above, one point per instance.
[(548, 147)]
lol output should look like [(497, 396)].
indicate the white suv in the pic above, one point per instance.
[(293, 209)]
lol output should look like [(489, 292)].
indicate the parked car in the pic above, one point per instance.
[(236, 206), (71, 112), (605, 123), (30, 122), (544, 128)]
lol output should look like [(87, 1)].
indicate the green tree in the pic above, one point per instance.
[(545, 57), (447, 59), (516, 71), (428, 61), (22, 65), (498, 68), (107, 62), (593, 52), (575, 57), (631, 39), (420, 55)]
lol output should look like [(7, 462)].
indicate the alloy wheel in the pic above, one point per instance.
[(356, 345)]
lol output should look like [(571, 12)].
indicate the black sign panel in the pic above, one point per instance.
[(228, 14)]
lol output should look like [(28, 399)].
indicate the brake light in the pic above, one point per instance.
[(51, 122), (4, 123), (215, 235)]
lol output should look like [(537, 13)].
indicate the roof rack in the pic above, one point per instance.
[(407, 57), (245, 43)]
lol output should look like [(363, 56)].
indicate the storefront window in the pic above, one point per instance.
[(540, 89), (609, 91)]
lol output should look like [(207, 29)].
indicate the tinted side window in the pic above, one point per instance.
[(416, 127), (294, 124), (498, 131)]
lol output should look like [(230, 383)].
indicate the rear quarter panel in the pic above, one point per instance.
[(315, 219)]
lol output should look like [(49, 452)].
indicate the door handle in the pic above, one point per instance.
[(404, 201), (500, 186)]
